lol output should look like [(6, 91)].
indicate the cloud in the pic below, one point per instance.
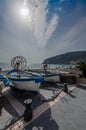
[(73, 40), (28, 37), (43, 29), (62, 1), (59, 8), (75, 32)]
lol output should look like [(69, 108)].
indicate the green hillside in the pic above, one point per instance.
[(67, 58)]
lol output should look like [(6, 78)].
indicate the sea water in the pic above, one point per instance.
[(59, 66), (5, 66)]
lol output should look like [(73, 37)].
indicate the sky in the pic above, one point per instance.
[(39, 29)]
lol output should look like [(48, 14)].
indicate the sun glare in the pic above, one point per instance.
[(24, 12)]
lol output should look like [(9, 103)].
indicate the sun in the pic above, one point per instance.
[(24, 12)]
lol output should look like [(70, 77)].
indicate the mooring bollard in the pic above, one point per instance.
[(65, 87), (28, 110)]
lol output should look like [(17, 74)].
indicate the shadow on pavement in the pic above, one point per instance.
[(81, 87), (7, 113), (71, 95), (44, 122)]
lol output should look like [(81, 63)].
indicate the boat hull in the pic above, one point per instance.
[(52, 78), (26, 85), (25, 81), (49, 76)]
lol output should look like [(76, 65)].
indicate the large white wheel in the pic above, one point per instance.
[(19, 63)]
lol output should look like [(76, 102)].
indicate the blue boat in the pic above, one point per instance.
[(4, 79)]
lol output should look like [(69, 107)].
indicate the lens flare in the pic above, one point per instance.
[(24, 12)]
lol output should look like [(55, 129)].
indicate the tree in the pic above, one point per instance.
[(82, 66)]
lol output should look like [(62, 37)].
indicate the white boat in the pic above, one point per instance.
[(49, 76), (25, 81), (52, 77)]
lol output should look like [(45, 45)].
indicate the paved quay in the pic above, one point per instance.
[(38, 111), (66, 112), (69, 113)]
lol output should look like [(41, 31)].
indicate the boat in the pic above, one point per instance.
[(20, 79), (48, 76), (51, 76), (25, 81), (4, 79)]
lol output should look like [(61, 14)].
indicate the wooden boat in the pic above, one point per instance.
[(49, 76), (2, 77), (25, 81)]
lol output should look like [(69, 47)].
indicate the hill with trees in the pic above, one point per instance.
[(67, 58)]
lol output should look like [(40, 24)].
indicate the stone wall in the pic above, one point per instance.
[(70, 79), (81, 80)]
